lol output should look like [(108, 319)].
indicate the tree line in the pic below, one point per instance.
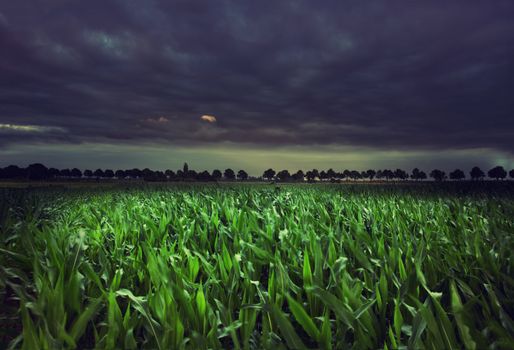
[(39, 171)]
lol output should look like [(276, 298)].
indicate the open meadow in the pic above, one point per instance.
[(220, 266)]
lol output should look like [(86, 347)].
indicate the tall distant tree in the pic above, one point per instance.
[(283, 175), (511, 174), (457, 174), (438, 175), (269, 174), (323, 175), (298, 176), (185, 168), (476, 173), (498, 172), (98, 173), (76, 173), (88, 173), (242, 175), (216, 174), (229, 174), (37, 171), (331, 174)]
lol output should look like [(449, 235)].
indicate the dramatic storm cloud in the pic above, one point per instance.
[(385, 76)]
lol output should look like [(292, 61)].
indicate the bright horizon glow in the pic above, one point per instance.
[(252, 158)]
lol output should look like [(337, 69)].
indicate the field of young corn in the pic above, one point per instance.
[(258, 267)]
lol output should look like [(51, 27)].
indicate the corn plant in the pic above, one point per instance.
[(254, 266)]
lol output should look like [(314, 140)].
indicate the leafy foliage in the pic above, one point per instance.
[(254, 267)]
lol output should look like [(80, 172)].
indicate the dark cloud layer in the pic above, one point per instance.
[(400, 75)]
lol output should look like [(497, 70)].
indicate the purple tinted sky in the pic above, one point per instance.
[(316, 78)]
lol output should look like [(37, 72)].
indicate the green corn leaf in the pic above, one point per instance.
[(286, 328), (303, 318)]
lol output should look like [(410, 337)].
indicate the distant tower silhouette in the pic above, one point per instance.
[(186, 168)]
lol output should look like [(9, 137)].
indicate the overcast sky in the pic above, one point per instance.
[(253, 84)]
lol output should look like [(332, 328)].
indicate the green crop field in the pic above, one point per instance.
[(258, 267)]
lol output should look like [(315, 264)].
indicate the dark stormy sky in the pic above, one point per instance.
[(290, 84)]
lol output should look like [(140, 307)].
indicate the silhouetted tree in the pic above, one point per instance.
[(310, 175), (53, 173), (159, 176), (438, 175), (498, 172), (323, 175), (370, 174), (388, 174), (120, 174), (185, 168), (346, 174), (170, 174), (109, 173), (457, 174), (242, 175), (401, 174), (204, 176), (88, 173), (418, 174), (229, 174), (283, 175), (269, 174), (331, 174), (298, 176), (65, 173), (76, 173), (511, 174), (98, 173), (216, 174), (14, 172), (191, 174), (37, 171), (355, 175), (379, 175), (147, 174), (476, 173), (134, 173)]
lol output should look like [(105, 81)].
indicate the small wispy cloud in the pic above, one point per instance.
[(160, 120), (30, 128), (208, 118)]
